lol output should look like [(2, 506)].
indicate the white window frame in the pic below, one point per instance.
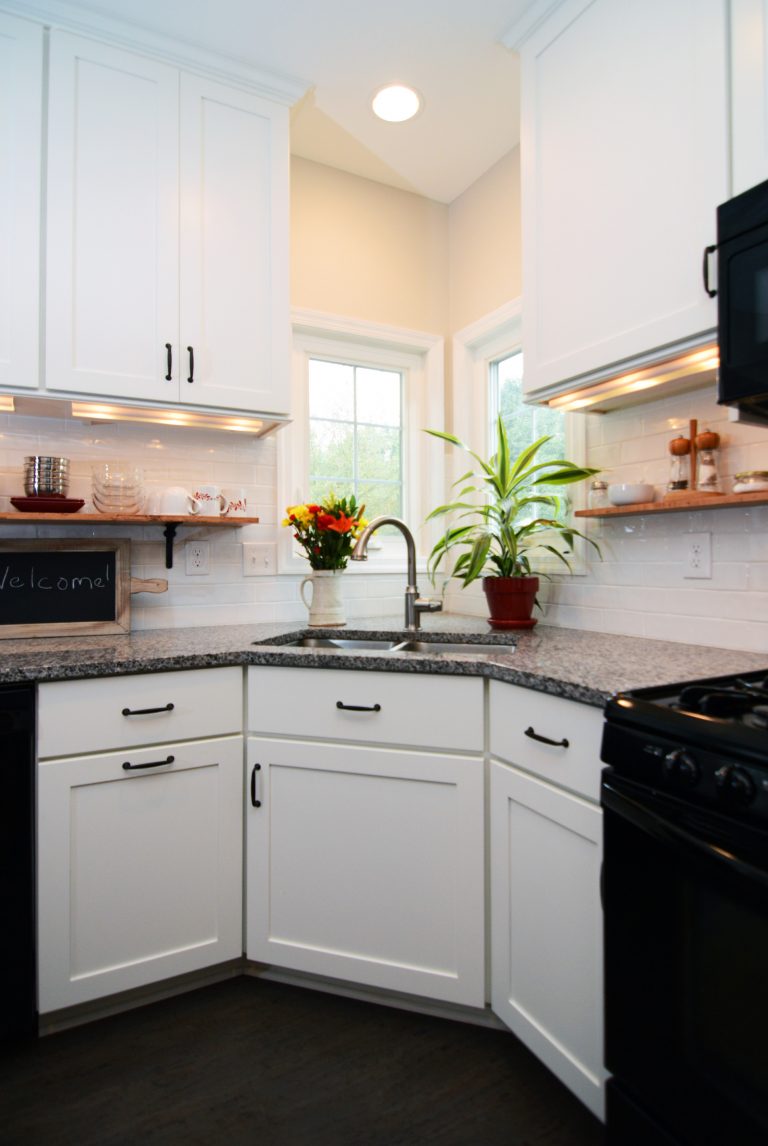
[(421, 357), (475, 349)]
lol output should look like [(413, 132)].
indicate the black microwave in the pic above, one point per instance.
[(742, 300)]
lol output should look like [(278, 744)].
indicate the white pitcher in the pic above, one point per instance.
[(326, 607)]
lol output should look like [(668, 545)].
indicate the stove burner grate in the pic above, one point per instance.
[(727, 702)]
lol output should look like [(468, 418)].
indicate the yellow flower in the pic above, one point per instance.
[(297, 515)]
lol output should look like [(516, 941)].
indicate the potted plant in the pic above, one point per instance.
[(508, 517)]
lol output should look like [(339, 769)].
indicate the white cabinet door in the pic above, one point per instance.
[(140, 869), (234, 248), (749, 92), (21, 93), (546, 926), (113, 186), (167, 273), (367, 865), (625, 158)]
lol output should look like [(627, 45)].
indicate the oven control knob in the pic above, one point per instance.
[(681, 768), (735, 783)]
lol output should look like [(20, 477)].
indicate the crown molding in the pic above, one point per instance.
[(528, 23), (184, 54)]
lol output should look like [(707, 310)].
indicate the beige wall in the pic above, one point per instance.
[(484, 244), (367, 251)]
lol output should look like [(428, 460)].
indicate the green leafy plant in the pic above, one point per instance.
[(500, 535)]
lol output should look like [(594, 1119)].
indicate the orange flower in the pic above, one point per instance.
[(342, 524)]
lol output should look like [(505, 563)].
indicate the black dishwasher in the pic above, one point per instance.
[(18, 1011)]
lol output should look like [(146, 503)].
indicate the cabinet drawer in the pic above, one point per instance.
[(427, 711), (113, 712), (518, 712)]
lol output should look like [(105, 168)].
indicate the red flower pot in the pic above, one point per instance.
[(511, 601)]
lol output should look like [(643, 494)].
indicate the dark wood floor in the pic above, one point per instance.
[(263, 1064)]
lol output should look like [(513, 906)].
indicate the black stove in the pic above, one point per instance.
[(704, 742), (685, 901)]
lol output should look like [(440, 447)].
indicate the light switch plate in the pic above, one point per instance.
[(259, 558)]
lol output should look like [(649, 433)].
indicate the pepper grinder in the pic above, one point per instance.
[(707, 444), (679, 473)]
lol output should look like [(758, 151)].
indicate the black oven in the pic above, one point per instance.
[(742, 300), (685, 891)]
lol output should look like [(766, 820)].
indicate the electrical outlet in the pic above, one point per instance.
[(259, 558), (197, 558), (698, 555)]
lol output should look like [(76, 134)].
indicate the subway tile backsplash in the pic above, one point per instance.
[(637, 589), (175, 456)]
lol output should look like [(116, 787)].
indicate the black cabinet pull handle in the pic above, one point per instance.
[(358, 707), (147, 711), (168, 361), (191, 364), (705, 269), (153, 764), (545, 739), (256, 803)]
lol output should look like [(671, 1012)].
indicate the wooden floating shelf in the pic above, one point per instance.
[(170, 522), (679, 504), (127, 519)]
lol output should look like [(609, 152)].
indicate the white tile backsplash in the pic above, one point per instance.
[(175, 456), (638, 589)]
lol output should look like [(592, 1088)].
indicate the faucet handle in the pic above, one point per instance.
[(428, 605)]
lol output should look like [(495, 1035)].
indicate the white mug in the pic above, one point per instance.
[(235, 501), (175, 500), (210, 502)]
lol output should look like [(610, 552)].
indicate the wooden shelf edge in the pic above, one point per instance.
[(123, 519), (678, 505)]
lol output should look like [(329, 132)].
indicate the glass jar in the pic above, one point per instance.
[(598, 495), (751, 481)]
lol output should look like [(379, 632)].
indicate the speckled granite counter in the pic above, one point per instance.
[(571, 663)]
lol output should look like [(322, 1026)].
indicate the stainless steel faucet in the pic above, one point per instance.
[(414, 605)]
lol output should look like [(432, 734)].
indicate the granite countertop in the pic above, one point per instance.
[(571, 663)]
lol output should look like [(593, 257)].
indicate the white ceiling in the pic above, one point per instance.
[(343, 50)]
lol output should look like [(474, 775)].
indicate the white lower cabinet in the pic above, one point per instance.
[(545, 859), (139, 870), (140, 837), (366, 864), (365, 857)]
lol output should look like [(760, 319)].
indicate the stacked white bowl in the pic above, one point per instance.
[(46, 476), (118, 488)]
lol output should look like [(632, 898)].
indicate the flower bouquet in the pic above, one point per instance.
[(327, 533)]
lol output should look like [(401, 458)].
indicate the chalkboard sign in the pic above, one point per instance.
[(54, 587)]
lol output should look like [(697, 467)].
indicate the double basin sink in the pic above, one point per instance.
[(399, 645)]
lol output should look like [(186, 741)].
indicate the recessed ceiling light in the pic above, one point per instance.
[(395, 103)]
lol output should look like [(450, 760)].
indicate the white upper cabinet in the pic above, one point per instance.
[(749, 90), (21, 86), (625, 158), (167, 234), (113, 192), (234, 248)]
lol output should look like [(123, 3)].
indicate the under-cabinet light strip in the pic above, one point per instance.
[(637, 380)]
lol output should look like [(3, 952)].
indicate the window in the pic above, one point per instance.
[(526, 424), (356, 434), (487, 380), (362, 394)]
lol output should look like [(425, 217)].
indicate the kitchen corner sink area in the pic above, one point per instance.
[(419, 642)]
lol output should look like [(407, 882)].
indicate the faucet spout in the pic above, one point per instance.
[(414, 605)]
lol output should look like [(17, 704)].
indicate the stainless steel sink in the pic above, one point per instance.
[(401, 646)]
